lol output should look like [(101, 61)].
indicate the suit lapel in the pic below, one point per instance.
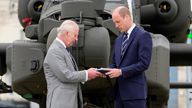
[(130, 40), (67, 54), (73, 61), (118, 48)]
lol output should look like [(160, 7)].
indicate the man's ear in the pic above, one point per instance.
[(66, 33), (127, 17)]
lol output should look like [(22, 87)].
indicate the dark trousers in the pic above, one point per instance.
[(137, 103)]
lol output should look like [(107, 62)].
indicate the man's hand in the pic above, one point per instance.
[(113, 73), (92, 73)]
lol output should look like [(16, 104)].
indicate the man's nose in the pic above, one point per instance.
[(76, 38), (116, 25)]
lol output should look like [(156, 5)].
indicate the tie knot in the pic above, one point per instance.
[(125, 33), (69, 49), (125, 36)]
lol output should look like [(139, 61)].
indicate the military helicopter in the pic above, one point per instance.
[(167, 20)]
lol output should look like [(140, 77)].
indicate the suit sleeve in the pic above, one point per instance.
[(144, 57), (113, 64), (58, 65)]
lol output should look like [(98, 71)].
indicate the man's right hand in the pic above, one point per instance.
[(92, 73)]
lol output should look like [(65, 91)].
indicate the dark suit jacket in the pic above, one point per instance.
[(132, 84)]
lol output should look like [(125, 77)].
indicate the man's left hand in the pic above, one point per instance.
[(113, 73)]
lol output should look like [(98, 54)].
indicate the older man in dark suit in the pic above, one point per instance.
[(130, 59), (61, 72)]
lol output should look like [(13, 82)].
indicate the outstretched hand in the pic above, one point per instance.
[(92, 73)]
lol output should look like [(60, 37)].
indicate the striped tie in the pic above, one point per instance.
[(124, 43)]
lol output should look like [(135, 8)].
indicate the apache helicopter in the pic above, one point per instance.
[(167, 20)]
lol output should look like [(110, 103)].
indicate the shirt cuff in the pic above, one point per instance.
[(86, 75), (121, 72)]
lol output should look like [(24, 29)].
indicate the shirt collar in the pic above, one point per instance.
[(59, 40), (131, 29)]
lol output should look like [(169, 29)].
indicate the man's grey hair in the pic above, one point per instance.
[(67, 26)]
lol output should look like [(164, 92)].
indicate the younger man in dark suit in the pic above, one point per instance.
[(130, 59)]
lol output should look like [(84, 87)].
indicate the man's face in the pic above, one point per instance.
[(120, 22), (73, 37)]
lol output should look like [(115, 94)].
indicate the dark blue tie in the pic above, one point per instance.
[(124, 43), (72, 58)]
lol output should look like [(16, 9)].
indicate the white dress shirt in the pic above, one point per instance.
[(130, 30)]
